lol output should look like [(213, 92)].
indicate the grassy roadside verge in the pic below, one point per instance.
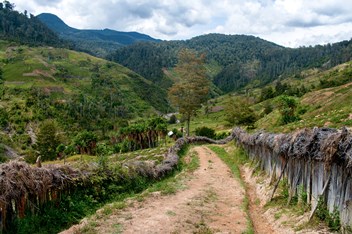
[(189, 162), (233, 161)]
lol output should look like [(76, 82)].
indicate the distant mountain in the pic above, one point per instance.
[(97, 42), (234, 61)]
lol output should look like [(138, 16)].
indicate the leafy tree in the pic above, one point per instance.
[(192, 89), (60, 149), (238, 111), (267, 93), (287, 106), (47, 140), (142, 135), (86, 142), (16, 26)]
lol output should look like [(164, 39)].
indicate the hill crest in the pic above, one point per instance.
[(98, 42)]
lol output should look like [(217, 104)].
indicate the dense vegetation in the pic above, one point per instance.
[(79, 92), (24, 28), (238, 61), (96, 42)]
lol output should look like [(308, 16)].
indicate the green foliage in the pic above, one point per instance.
[(205, 131), (267, 93), (173, 119), (47, 140), (19, 27), (192, 90), (331, 219), (241, 59), (4, 117), (85, 142), (287, 107), (238, 112), (142, 135), (2, 85), (3, 158), (176, 133), (112, 184)]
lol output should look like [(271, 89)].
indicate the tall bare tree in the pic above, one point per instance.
[(192, 88)]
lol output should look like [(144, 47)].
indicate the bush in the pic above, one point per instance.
[(70, 150), (47, 140), (238, 112), (173, 119), (221, 135), (287, 107), (205, 131), (86, 142)]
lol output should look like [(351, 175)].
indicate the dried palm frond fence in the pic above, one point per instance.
[(25, 188), (316, 160)]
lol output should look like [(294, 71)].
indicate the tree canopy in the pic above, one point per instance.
[(238, 111), (192, 89), (47, 140), (20, 27)]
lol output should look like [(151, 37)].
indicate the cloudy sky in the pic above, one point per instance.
[(290, 23)]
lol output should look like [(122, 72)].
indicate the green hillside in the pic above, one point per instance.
[(328, 101), (25, 28), (240, 59), (78, 91), (323, 97)]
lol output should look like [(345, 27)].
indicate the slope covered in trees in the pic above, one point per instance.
[(76, 90), (96, 42), (24, 28), (242, 59)]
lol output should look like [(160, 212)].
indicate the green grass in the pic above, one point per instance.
[(323, 106), (233, 161)]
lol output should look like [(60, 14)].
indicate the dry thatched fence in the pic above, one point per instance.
[(25, 188), (316, 161)]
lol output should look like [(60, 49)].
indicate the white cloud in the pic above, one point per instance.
[(286, 22)]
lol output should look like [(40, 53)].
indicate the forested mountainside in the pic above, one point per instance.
[(96, 42), (238, 60), (24, 28), (78, 91)]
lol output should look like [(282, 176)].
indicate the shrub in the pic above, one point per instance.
[(173, 119), (86, 142), (205, 131), (47, 141), (287, 106), (221, 135), (238, 112)]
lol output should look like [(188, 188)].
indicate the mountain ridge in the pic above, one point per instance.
[(95, 41)]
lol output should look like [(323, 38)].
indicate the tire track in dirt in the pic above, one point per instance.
[(212, 201)]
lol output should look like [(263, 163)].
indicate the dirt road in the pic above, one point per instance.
[(212, 202)]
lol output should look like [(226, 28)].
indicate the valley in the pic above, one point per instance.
[(103, 131)]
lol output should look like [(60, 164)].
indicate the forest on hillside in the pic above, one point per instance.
[(25, 28), (243, 60)]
